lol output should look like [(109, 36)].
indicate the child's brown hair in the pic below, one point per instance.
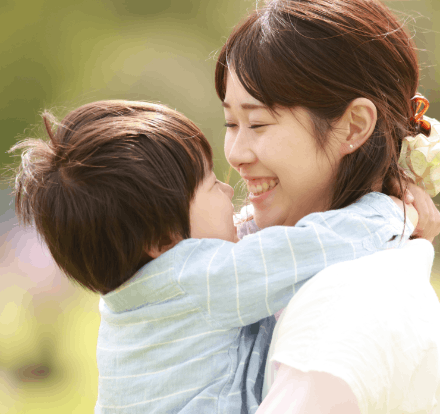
[(114, 181)]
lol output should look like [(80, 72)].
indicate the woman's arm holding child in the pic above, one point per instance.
[(428, 225)]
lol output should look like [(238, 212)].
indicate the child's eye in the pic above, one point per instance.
[(227, 125)]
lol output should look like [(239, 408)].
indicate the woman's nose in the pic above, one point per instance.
[(237, 148)]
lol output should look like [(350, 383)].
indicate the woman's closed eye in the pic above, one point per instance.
[(230, 125)]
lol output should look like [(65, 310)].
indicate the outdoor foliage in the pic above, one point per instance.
[(59, 55)]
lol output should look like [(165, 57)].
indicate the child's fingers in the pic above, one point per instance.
[(412, 215), (432, 228), (420, 204), (411, 212), (429, 217), (408, 197)]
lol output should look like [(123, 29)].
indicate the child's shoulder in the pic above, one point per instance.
[(370, 204), (373, 208), (191, 251), (160, 277)]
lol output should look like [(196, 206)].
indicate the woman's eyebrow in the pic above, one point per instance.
[(247, 106)]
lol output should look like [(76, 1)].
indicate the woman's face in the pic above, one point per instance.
[(286, 173)]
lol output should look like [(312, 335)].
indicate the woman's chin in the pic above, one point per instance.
[(276, 215), (266, 218), (266, 211)]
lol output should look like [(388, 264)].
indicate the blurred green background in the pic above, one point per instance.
[(62, 54)]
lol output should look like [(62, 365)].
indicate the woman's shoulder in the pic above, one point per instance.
[(347, 320)]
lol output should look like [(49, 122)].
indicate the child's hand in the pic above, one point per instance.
[(429, 217), (428, 225), (411, 212)]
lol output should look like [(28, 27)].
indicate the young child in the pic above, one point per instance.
[(125, 197)]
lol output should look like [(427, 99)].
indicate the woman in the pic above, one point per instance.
[(318, 96)]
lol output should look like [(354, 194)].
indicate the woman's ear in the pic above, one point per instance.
[(356, 125)]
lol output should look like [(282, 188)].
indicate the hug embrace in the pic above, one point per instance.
[(319, 97)]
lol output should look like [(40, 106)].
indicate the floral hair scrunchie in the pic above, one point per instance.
[(420, 158)]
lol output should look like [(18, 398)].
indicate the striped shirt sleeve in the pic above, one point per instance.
[(239, 284)]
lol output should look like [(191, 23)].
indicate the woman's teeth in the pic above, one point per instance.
[(262, 187)]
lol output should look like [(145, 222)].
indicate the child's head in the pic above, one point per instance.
[(115, 181)]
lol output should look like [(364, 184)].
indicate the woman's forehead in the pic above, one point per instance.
[(237, 92)]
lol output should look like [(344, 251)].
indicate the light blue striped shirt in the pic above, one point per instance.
[(189, 332)]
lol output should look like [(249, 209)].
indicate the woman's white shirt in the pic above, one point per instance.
[(373, 322)]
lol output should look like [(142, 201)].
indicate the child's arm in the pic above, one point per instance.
[(239, 284)]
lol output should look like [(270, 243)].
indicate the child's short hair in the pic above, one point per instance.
[(115, 179)]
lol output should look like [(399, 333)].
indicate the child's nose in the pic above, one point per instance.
[(229, 191)]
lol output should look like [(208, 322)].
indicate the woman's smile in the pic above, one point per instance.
[(268, 195), (258, 186)]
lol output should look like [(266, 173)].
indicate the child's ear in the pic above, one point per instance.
[(155, 252), (356, 125)]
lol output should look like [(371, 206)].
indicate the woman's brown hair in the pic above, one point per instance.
[(321, 55), (113, 181)]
